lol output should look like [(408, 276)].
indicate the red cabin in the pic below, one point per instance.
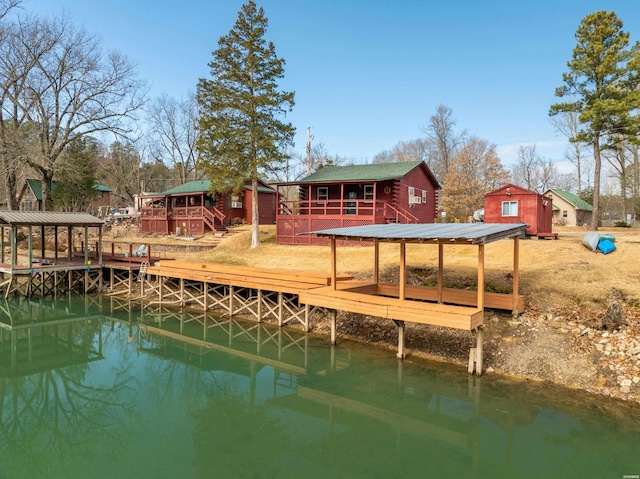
[(191, 209), (513, 204), (355, 195)]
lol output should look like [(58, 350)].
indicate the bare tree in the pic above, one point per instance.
[(474, 171), (526, 171), (23, 43), (74, 89), (444, 139), (568, 124), (411, 150), (174, 130)]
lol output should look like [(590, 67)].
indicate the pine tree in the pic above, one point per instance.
[(240, 110), (602, 87)]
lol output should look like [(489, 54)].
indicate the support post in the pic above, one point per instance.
[(86, 245), (401, 339), (440, 271), (516, 274), (479, 341), (333, 315), (403, 269), (230, 300), (481, 277), (334, 274), (55, 244), (30, 247), (376, 260)]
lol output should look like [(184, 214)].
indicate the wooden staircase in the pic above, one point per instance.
[(210, 217)]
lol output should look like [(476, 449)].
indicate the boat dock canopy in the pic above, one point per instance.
[(452, 233), (48, 218)]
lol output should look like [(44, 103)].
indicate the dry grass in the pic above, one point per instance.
[(553, 273)]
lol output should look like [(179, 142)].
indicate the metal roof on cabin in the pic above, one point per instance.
[(106, 189), (198, 186), (372, 172), (474, 233), (575, 200), (36, 188), (48, 218)]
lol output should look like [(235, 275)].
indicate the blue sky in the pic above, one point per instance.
[(368, 74)]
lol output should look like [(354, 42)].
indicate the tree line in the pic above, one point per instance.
[(61, 92)]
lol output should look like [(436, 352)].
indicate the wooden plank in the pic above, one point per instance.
[(450, 295), (459, 317), (291, 275)]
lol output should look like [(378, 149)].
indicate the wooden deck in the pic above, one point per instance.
[(459, 317), (461, 297), (277, 280)]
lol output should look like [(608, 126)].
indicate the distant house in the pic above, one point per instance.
[(191, 209), (30, 197), (338, 196), (513, 204), (569, 209)]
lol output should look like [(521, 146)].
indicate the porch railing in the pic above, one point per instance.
[(375, 211)]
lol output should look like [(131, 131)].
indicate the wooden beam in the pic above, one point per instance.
[(55, 243), (333, 263), (42, 245), (376, 260), (1, 244), (403, 269), (440, 271), (481, 277), (30, 242), (333, 314), (86, 245), (516, 274)]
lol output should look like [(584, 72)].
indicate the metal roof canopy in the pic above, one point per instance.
[(452, 233), (48, 218)]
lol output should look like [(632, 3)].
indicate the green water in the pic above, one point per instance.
[(91, 389)]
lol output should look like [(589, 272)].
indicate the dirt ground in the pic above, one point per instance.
[(581, 327)]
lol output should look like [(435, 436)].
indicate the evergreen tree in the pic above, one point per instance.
[(602, 87), (240, 110), (75, 177)]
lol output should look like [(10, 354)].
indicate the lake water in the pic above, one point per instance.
[(93, 389)]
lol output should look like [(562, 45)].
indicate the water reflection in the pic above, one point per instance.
[(48, 402), (96, 389)]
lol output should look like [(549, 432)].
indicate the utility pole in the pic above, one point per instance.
[(309, 138)]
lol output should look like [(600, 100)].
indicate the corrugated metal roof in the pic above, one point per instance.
[(48, 218), (474, 233), (198, 186), (372, 172)]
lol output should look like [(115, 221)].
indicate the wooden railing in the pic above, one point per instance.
[(376, 211)]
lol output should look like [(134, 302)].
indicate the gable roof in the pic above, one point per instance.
[(369, 172), (510, 186), (574, 200), (36, 187), (199, 186)]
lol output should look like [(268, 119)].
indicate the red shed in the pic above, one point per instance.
[(191, 209), (513, 204)]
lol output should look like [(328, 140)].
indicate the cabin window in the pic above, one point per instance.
[(565, 214), (368, 192), (424, 197), (322, 193), (412, 191), (509, 208)]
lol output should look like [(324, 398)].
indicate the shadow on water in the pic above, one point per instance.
[(106, 389)]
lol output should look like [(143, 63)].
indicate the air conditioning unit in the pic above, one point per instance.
[(415, 200), (236, 204)]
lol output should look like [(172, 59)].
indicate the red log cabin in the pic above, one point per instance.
[(514, 204), (191, 209), (340, 196)]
